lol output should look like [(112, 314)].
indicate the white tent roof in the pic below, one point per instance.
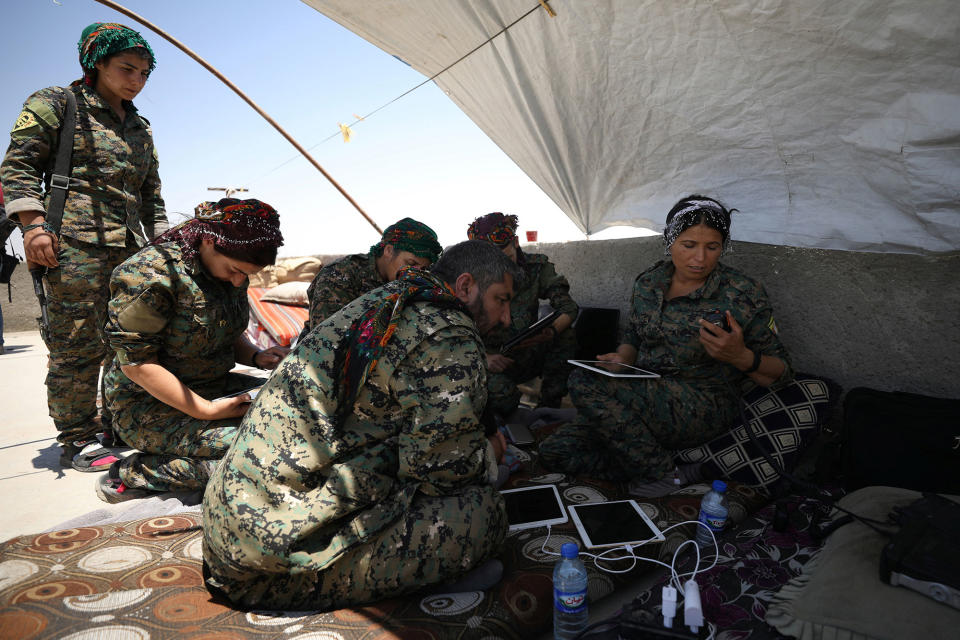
[(828, 124)]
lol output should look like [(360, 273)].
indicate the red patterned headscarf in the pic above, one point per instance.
[(244, 229), (494, 227)]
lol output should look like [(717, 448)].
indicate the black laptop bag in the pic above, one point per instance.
[(898, 439)]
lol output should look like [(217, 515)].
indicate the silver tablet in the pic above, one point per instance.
[(530, 507), (614, 370), (614, 524)]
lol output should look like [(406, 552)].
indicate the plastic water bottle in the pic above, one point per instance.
[(569, 593), (713, 513)]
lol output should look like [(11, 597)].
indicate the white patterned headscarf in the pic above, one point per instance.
[(694, 210)]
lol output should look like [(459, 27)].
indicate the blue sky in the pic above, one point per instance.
[(419, 157)]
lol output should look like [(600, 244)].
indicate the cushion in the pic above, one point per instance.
[(784, 421), (294, 293), (282, 321), (840, 594), (300, 269)]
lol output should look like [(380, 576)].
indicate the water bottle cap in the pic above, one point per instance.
[(719, 486), (569, 550)]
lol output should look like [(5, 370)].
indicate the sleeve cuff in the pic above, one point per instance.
[(492, 467), (23, 204)]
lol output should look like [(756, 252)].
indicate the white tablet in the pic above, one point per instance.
[(614, 524), (530, 507), (614, 370)]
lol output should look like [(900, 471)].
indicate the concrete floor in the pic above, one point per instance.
[(35, 492)]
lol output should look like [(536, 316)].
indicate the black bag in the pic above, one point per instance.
[(898, 439)]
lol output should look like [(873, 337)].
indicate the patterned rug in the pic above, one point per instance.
[(755, 562), (142, 580)]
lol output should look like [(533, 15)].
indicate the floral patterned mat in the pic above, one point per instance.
[(143, 579)]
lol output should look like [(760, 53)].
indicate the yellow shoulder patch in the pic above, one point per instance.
[(773, 326), (25, 120)]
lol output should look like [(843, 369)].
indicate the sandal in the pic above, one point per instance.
[(92, 458)]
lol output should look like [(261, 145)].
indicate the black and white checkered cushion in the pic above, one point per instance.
[(784, 422)]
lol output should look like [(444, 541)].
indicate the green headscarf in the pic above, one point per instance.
[(101, 39), (410, 235)]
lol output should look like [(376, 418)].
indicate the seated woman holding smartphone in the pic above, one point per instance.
[(176, 318), (706, 328)]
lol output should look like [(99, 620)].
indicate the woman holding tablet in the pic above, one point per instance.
[(706, 328), (176, 318)]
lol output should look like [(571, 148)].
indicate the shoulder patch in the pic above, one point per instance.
[(140, 317), (25, 120), (773, 326)]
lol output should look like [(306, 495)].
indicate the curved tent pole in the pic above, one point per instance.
[(206, 65)]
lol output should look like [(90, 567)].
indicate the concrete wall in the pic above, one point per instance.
[(887, 321)]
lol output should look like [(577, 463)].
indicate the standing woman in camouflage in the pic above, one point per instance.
[(176, 318), (113, 206), (625, 430)]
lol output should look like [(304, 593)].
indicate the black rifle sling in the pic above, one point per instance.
[(60, 179)]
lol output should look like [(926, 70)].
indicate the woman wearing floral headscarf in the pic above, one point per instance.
[(625, 430), (176, 318), (113, 205)]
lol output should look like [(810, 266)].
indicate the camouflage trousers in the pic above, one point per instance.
[(174, 451), (548, 360), (77, 295), (437, 540), (627, 428)]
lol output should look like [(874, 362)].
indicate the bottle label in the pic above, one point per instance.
[(715, 522), (573, 602)]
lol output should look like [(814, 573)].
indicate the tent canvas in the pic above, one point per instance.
[(829, 125)]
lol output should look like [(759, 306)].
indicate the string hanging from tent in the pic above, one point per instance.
[(542, 4), (206, 65)]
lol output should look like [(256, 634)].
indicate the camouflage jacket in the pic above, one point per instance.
[(166, 307), (666, 332), (338, 284), (541, 282), (114, 181), (298, 488)]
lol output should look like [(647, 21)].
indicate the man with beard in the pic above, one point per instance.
[(362, 471)]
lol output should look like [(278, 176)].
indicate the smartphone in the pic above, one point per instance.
[(719, 318)]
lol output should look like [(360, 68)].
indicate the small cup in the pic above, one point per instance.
[(531, 236)]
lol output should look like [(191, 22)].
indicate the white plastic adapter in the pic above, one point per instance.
[(669, 605), (692, 611)]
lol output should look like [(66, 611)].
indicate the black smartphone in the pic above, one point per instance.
[(719, 318)]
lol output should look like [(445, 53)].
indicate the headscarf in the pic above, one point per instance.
[(101, 39), (359, 351), (410, 235), (694, 210), (494, 227), (235, 225)]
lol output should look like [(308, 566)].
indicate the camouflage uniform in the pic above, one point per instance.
[(338, 284), (547, 359), (310, 512), (167, 308), (114, 188), (626, 428)]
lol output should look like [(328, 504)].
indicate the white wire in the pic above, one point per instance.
[(675, 578)]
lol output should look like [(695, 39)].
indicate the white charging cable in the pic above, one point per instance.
[(690, 590)]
